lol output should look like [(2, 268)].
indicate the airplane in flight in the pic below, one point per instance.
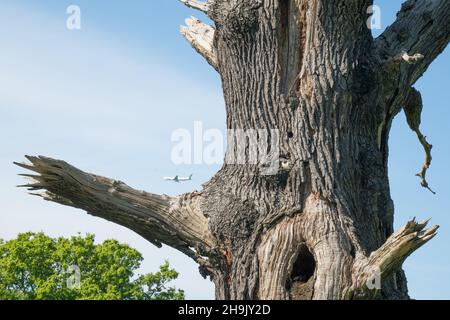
[(178, 179)]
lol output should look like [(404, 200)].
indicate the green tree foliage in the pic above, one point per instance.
[(37, 267)]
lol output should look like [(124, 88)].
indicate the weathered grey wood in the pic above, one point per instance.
[(201, 38), (160, 219), (422, 27), (319, 227)]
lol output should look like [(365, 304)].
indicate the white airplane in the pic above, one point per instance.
[(178, 179)]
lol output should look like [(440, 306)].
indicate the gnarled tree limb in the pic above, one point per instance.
[(412, 59), (421, 29), (389, 257), (413, 110), (174, 221), (201, 38), (406, 49)]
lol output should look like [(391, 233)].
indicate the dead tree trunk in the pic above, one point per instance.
[(321, 227)]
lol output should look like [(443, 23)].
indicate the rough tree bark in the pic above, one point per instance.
[(322, 227)]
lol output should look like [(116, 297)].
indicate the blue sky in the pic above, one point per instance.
[(107, 98)]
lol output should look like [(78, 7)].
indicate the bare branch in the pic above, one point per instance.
[(197, 5), (421, 27), (389, 257), (422, 174), (201, 38), (401, 245), (413, 111), (177, 222)]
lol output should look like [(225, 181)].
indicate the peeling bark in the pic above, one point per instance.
[(319, 227)]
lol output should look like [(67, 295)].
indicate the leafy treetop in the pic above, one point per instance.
[(35, 266)]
